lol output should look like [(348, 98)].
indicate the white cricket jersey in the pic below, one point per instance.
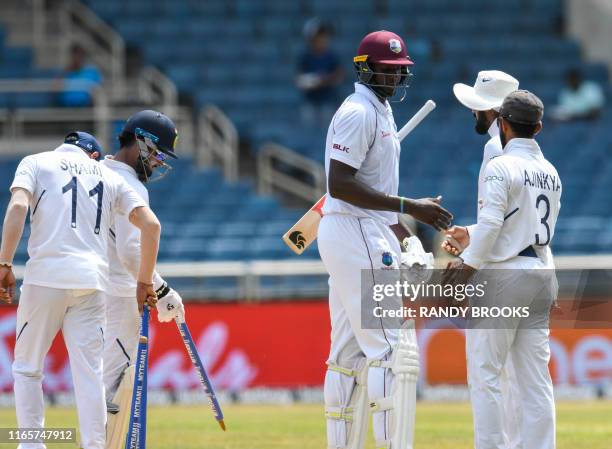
[(74, 199), (492, 149), (521, 201), (363, 134), (124, 241)]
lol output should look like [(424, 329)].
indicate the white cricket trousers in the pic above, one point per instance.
[(511, 404), (349, 246), (526, 341), (121, 342), (41, 313)]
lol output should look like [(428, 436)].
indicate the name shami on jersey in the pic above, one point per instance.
[(90, 168)]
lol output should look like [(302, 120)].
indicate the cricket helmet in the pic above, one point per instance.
[(156, 136), (385, 48)]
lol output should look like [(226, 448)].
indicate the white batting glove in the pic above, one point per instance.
[(416, 264), (170, 306)]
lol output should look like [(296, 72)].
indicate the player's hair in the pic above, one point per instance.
[(126, 139), (522, 131)]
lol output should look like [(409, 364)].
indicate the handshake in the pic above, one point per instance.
[(457, 239)]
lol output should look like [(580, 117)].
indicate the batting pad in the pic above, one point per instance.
[(117, 424), (404, 365)]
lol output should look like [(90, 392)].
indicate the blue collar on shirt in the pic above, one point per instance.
[(523, 145), (370, 95)]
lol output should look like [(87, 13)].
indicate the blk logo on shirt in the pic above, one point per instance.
[(339, 147)]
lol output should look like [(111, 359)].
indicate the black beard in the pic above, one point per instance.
[(383, 92), (481, 127), (502, 138), (143, 170)]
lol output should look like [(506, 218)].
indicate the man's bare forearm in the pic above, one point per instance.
[(343, 185), (150, 229), (360, 195), (14, 221)]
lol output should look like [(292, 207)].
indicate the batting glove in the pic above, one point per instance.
[(169, 305)]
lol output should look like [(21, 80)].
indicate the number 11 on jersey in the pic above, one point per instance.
[(97, 190)]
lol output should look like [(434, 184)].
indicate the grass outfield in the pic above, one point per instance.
[(439, 426)]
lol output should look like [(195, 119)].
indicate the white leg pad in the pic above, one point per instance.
[(346, 405), (404, 365)]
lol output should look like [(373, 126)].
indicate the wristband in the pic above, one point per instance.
[(162, 291)]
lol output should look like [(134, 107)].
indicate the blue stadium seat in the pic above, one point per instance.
[(33, 100), (16, 56), (241, 55)]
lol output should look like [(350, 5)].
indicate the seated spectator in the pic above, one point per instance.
[(579, 100), (79, 80), (319, 74)]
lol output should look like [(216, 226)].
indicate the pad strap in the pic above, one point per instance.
[(339, 369), (380, 363), (339, 413)]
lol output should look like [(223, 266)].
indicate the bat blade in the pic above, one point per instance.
[(117, 424), (137, 428), (304, 232), (192, 352)]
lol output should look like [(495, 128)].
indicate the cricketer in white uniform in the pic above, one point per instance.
[(521, 202), (362, 163), (146, 142), (484, 99), (73, 199)]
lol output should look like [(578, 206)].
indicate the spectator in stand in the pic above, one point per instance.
[(79, 79), (319, 74), (579, 99)]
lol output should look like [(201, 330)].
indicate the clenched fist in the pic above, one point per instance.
[(456, 240), (145, 295), (7, 284)]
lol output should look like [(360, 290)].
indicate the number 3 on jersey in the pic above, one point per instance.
[(539, 199), (97, 190)]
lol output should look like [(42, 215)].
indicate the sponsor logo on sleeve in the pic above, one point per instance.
[(342, 148)]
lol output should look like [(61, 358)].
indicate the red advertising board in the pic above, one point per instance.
[(285, 344)]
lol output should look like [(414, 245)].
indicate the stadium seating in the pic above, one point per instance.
[(16, 63), (241, 55), (203, 218)]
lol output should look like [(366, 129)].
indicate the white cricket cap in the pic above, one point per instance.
[(489, 91)]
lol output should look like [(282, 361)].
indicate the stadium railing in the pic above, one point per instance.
[(218, 140), (249, 277), (274, 162)]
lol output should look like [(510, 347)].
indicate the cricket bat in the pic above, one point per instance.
[(304, 232), (117, 424)]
